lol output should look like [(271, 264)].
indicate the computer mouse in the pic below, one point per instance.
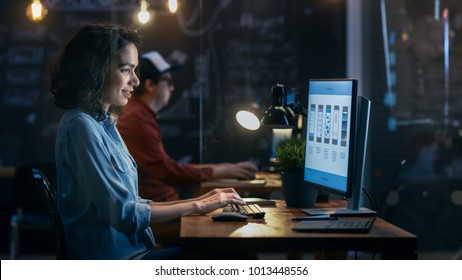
[(229, 217)]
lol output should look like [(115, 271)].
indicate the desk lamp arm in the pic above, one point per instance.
[(298, 108)]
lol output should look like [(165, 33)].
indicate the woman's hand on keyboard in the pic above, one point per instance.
[(214, 192), (217, 198)]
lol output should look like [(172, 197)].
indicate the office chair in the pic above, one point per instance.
[(42, 183), (31, 215)]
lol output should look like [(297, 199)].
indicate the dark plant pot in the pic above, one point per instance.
[(297, 193)]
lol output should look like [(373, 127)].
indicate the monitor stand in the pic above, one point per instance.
[(341, 212)]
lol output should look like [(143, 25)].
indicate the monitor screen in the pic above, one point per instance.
[(330, 135), (336, 143)]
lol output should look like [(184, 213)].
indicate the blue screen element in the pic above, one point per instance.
[(331, 88), (326, 179), (329, 162)]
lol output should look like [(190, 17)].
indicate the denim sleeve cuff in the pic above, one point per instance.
[(145, 201), (144, 214)]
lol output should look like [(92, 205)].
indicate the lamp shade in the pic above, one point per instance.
[(278, 114), (247, 120)]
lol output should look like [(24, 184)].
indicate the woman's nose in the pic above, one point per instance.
[(135, 80)]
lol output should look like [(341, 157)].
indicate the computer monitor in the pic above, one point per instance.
[(336, 142)]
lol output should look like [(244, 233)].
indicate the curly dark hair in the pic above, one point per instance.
[(79, 74)]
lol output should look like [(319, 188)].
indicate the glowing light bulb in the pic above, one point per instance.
[(36, 11), (143, 15), (172, 6)]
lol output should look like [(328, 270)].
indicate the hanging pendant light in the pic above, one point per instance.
[(36, 11), (172, 6), (144, 15)]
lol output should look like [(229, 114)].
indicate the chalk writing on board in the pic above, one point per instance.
[(180, 109), (21, 32), (200, 86), (92, 5), (22, 76), (25, 55), (171, 130), (258, 53), (17, 97)]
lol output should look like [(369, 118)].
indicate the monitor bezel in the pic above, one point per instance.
[(347, 192)]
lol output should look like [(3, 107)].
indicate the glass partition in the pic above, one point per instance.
[(413, 62)]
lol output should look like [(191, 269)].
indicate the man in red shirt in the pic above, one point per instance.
[(158, 173)]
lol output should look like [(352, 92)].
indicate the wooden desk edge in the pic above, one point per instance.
[(392, 241)]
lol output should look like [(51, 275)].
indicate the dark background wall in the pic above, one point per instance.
[(233, 52)]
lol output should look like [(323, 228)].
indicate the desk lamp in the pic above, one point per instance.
[(280, 118), (283, 116), (279, 114)]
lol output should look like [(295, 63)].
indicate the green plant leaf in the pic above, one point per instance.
[(291, 155)]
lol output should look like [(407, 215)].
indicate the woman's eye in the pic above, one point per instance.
[(125, 70)]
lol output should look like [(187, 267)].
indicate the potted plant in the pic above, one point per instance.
[(290, 155)]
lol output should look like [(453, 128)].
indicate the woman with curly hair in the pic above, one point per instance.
[(102, 213)]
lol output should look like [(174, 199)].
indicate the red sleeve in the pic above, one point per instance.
[(142, 135)]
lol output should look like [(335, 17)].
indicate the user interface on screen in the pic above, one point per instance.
[(328, 147)]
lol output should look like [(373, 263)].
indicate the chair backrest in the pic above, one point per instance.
[(41, 182), (26, 192)]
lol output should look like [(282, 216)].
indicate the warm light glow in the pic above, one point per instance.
[(405, 36), (143, 15), (279, 134), (172, 6), (248, 120), (36, 11), (299, 121)]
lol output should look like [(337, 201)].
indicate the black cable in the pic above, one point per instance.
[(374, 206), (371, 199), (390, 187)]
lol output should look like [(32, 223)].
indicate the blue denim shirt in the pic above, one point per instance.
[(102, 214)]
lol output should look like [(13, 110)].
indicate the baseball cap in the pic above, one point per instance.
[(152, 64)]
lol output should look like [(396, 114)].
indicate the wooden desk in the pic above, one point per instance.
[(274, 234), (244, 188), (7, 171)]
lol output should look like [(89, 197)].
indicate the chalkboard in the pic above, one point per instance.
[(233, 51)]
